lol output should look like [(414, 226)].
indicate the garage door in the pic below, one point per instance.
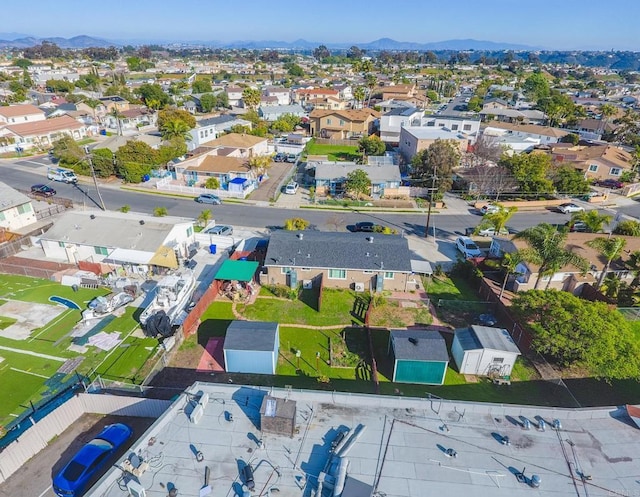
[(420, 372)]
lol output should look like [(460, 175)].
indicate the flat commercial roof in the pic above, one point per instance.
[(237, 270), (400, 453)]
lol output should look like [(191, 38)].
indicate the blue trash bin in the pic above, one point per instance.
[(213, 248)]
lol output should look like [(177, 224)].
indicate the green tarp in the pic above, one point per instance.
[(237, 270)]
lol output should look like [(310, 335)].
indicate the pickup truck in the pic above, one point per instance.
[(64, 175)]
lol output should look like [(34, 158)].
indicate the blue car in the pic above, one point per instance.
[(73, 478)]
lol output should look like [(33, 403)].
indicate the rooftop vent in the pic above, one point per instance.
[(370, 239), (300, 235), (141, 221), (92, 216), (414, 341)]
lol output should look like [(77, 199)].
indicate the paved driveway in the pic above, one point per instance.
[(268, 188)]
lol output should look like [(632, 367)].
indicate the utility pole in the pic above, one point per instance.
[(431, 190), (95, 180)]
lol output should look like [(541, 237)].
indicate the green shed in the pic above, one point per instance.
[(419, 356)]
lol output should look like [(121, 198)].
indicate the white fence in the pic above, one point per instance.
[(36, 438), (166, 185)]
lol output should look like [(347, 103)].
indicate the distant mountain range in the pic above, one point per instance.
[(18, 40)]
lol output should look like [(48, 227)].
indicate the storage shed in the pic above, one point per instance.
[(484, 351), (419, 356), (251, 347)]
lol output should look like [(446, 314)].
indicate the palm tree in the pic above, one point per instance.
[(610, 249), (593, 220), (510, 262), (606, 111), (497, 220), (175, 128), (204, 217), (359, 95), (547, 249)]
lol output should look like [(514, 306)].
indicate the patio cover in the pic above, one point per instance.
[(128, 256), (164, 257), (237, 270)]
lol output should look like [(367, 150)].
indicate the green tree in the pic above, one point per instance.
[(175, 128), (296, 224), (103, 162), (537, 86), (437, 160), (171, 149), (208, 102), (593, 220), (432, 95), (627, 227), (251, 97), (160, 211), (359, 94), (497, 220), (201, 86), (509, 263), (322, 52), (68, 152), (171, 114), (204, 217), (260, 163), (610, 249), (134, 160), (153, 95), (569, 181), (23, 63), (572, 138), (212, 183), (294, 70), (475, 104), (573, 331), (286, 123), (547, 249), (372, 145), (607, 111), (358, 183), (529, 171)]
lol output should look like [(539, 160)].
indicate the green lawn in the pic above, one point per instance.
[(125, 361), (334, 152), (337, 309)]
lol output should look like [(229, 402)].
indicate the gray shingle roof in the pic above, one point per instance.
[(251, 335), (333, 250), (484, 337), (429, 346), (337, 170), (10, 197)]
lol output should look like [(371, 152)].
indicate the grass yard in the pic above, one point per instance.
[(334, 152), (339, 307), (456, 302), (125, 362)]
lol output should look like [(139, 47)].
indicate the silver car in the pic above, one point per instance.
[(221, 229)]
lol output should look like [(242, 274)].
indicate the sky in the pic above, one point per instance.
[(547, 24)]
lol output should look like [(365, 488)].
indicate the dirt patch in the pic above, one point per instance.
[(396, 314), (29, 316)]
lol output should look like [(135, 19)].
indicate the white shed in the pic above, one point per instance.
[(484, 351)]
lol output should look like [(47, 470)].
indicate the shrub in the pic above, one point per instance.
[(125, 208), (160, 211), (296, 224)]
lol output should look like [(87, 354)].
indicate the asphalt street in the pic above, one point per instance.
[(33, 170)]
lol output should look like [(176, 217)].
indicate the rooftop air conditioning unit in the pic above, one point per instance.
[(307, 284), (135, 489), (359, 287)]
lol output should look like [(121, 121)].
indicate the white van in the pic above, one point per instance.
[(64, 175)]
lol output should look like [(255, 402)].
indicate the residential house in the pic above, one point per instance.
[(210, 128), (361, 261), (20, 114), (43, 133), (274, 112), (132, 242), (509, 115), (234, 94), (326, 103), (399, 92), (343, 124), (596, 161), (330, 178), (484, 351), (16, 210), (113, 143), (567, 278), (41, 76), (282, 95), (592, 129), (545, 135), (304, 96), (112, 104), (135, 117), (345, 92), (387, 106), (414, 139), (247, 145), (394, 119), (469, 126)]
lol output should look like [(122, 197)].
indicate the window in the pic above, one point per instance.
[(2, 217), (441, 125), (341, 122), (615, 171), (337, 274), (593, 168), (190, 231), (328, 121), (388, 275), (286, 270), (454, 127), (101, 250), (431, 123), (466, 127), (61, 244), (24, 208), (499, 360)]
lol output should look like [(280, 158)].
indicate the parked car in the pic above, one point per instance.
[(468, 247), (73, 478), (489, 209), (570, 208), (365, 227), (610, 183), (291, 157), (279, 157), (577, 226), (209, 198), (291, 188), (219, 229), (491, 231), (43, 190)]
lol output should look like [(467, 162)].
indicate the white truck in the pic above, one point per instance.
[(64, 175)]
